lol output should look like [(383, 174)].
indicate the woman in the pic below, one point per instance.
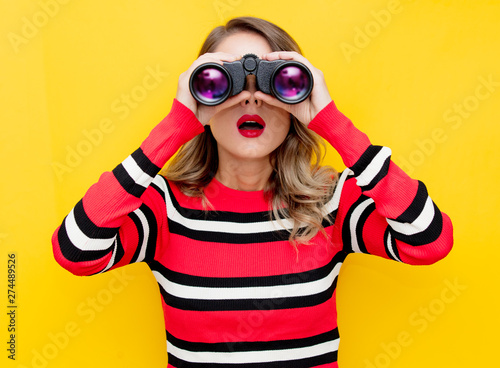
[(243, 234)]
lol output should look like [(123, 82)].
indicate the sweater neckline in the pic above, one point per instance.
[(221, 188)]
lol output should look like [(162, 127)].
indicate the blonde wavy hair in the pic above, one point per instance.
[(298, 186)]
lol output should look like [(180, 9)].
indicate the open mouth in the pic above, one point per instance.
[(251, 126)]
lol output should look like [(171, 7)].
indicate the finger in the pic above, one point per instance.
[(288, 55), (283, 55), (219, 57), (234, 100), (231, 101), (270, 100)]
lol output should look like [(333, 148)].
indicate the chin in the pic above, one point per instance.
[(252, 153)]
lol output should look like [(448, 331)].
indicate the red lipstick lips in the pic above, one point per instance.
[(251, 126)]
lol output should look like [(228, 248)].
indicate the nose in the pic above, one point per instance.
[(251, 86)]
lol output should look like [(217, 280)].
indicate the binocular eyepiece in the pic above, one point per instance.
[(289, 81)]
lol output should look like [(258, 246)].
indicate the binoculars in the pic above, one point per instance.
[(287, 80)]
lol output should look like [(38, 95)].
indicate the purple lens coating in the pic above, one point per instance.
[(210, 84), (291, 83)]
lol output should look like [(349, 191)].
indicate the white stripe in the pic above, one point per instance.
[(390, 246), (333, 203), (264, 356), (112, 259), (223, 226), (420, 224), (237, 227), (356, 214), (82, 241), (136, 173), (160, 182), (261, 292), (145, 229), (373, 167)]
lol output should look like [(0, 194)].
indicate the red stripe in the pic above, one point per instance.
[(257, 325), (201, 258), (331, 365), (373, 234), (224, 199), (394, 193)]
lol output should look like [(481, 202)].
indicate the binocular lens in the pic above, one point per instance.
[(210, 85), (292, 83), (289, 81)]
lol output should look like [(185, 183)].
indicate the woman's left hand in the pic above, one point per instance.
[(306, 110)]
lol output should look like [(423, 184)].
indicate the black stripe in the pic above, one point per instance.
[(329, 220), (239, 282), (145, 163), (230, 238), (416, 207), (365, 159), (74, 254), (223, 216), (361, 224), (140, 232), (88, 227), (236, 238), (299, 363), (127, 182), (153, 233), (426, 236), (157, 188), (229, 347), (346, 230), (120, 252), (248, 304), (380, 175), (392, 245), (227, 216)]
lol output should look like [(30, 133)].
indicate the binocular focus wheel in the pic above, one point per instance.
[(210, 84)]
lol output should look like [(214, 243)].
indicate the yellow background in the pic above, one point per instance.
[(421, 77)]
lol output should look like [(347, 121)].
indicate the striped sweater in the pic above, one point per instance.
[(235, 293)]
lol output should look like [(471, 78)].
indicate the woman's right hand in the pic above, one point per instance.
[(202, 112)]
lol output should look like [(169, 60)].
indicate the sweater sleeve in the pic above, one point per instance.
[(382, 210), (120, 219)]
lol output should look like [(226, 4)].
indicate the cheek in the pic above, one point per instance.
[(279, 128), (221, 126), (223, 135)]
